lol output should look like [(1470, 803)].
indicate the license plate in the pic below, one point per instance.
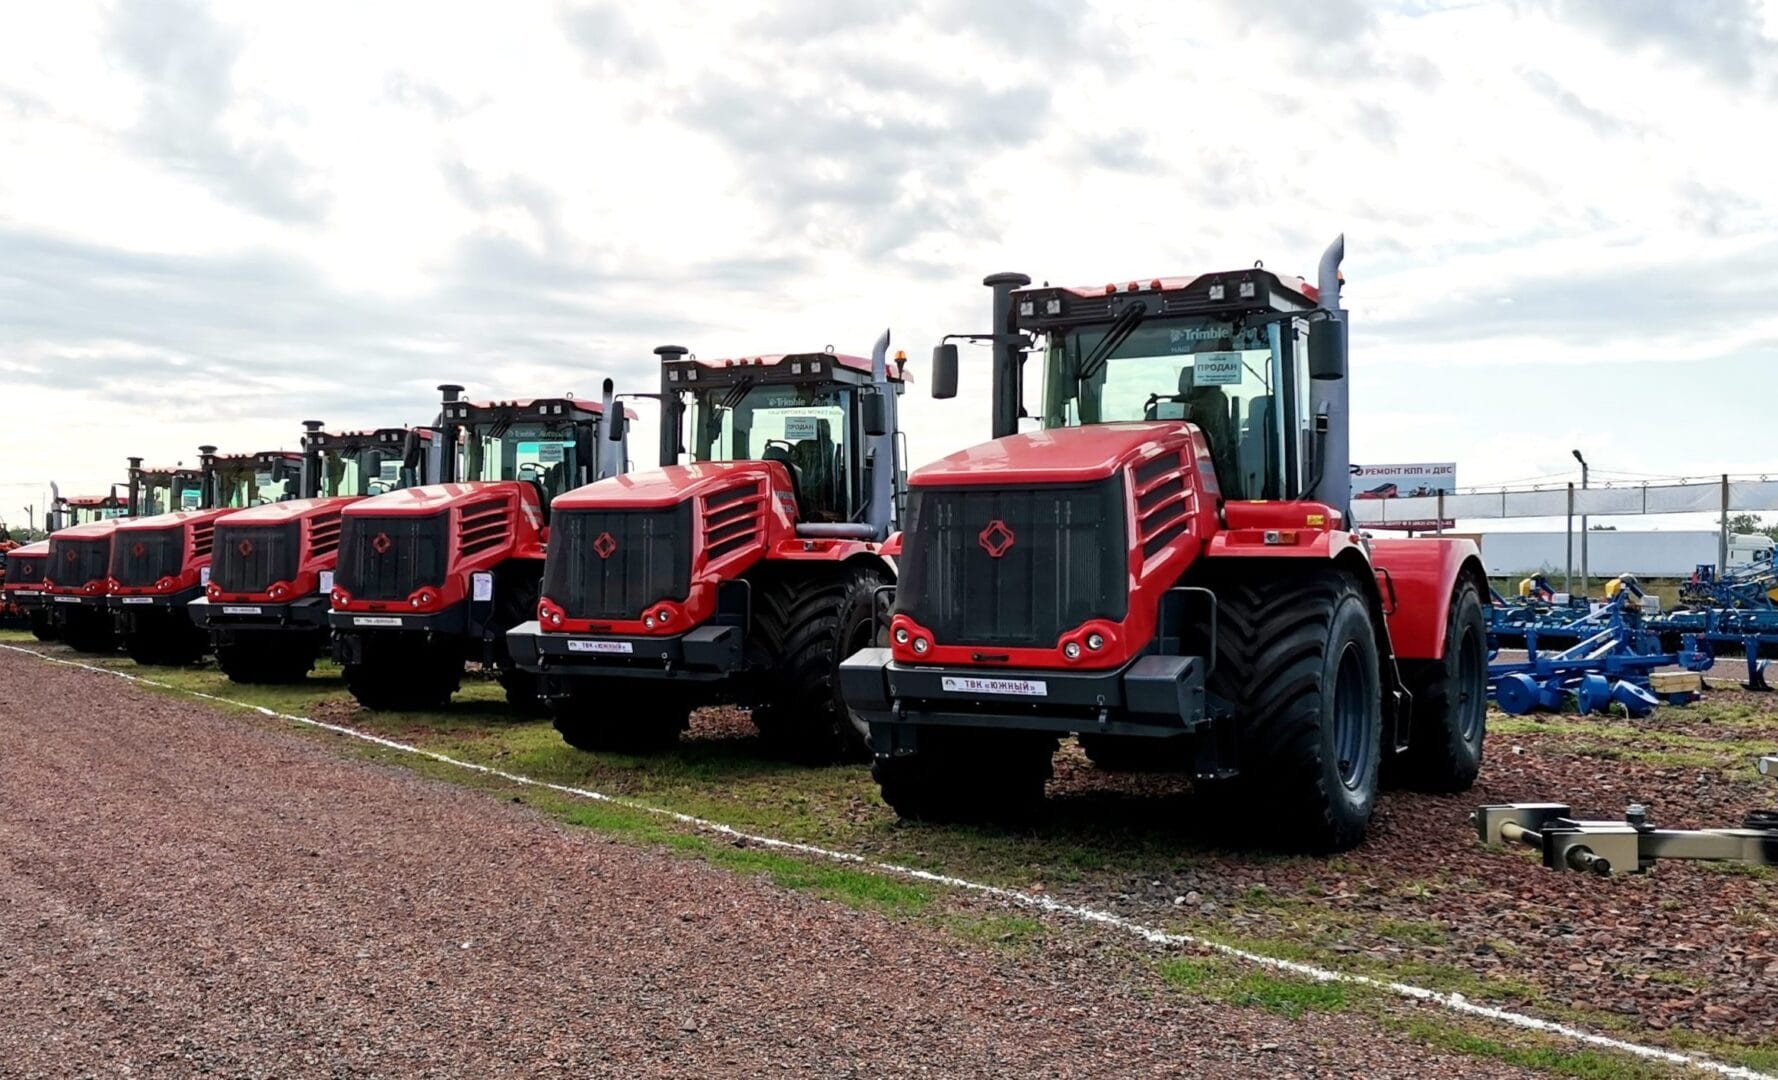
[(138, 599), (243, 611), (67, 599), (1014, 687), (622, 648), (375, 620)]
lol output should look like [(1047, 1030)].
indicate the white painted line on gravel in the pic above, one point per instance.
[(1454, 1002)]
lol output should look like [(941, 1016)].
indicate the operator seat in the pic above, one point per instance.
[(781, 454), (817, 459), (1208, 408)]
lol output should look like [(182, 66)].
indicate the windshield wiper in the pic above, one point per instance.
[(737, 392), (1119, 332)]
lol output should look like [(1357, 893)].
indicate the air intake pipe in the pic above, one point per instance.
[(210, 487), (1009, 356), (310, 483), (672, 408), (133, 501), (445, 464)]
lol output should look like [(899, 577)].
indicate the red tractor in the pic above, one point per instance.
[(25, 568), (160, 563), (1167, 570), (77, 563), (745, 575), (434, 575), (272, 567)]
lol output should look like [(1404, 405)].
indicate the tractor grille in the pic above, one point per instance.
[(73, 563), (253, 558), (1016, 566), (390, 558), (25, 570), (611, 564), (141, 557)]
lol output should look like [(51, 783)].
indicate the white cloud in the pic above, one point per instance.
[(220, 220)]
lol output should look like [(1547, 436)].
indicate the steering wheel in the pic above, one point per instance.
[(532, 471)]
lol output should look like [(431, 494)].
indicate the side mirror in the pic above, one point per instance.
[(876, 414), (410, 450), (1327, 349), (617, 424), (944, 371)]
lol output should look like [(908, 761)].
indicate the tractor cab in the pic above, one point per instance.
[(1227, 352), (243, 480), (163, 489), (355, 464), (552, 444), (70, 510), (816, 414)]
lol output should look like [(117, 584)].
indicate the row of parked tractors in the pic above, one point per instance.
[(1158, 562)]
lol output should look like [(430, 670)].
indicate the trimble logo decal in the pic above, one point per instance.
[(997, 539), (605, 545)]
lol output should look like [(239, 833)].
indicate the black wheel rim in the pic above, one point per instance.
[(1472, 683), (1352, 743)]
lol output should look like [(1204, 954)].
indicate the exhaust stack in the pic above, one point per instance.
[(1331, 388), (610, 454)]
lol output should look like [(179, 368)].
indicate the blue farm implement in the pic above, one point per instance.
[(1612, 660)]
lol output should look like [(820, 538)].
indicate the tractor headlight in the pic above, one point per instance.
[(1095, 642), (1071, 650), (921, 645), (1027, 308), (902, 635), (1053, 306), (648, 621), (663, 616)]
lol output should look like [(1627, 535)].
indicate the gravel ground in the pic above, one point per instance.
[(185, 891), (1688, 946)]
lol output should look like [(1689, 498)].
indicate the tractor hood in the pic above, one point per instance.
[(164, 521), (431, 498), (280, 513), (41, 547), (1056, 456), (669, 486), (92, 530)]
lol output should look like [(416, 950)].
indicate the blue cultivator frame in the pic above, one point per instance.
[(1611, 658)]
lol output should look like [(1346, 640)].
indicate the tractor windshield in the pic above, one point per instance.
[(366, 470), (247, 483), (544, 454), (1245, 387), (808, 428)]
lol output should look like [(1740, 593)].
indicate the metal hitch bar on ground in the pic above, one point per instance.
[(1633, 844)]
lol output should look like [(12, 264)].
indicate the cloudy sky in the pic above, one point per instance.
[(217, 220)]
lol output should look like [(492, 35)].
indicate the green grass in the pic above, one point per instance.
[(1555, 1059), (1281, 994)]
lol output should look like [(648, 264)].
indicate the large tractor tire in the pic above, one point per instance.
[(164, 639), (410, 679), (42, 629), (1450, 707), (806, 624), (1297, 657), (89, 632), (610, 715), (517, 597), (962, 775), (277, 660)]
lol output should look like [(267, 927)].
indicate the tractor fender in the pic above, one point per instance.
[(1422, 574)]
